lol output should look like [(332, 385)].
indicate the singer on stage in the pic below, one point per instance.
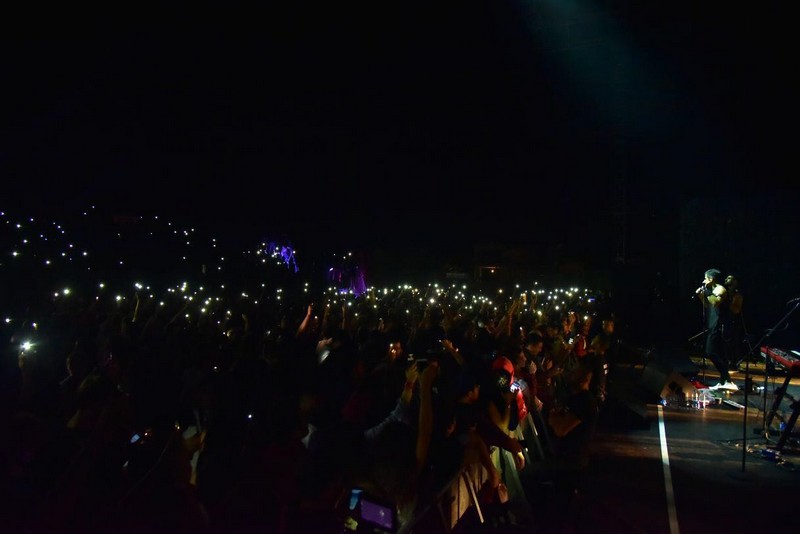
[(713, 295)]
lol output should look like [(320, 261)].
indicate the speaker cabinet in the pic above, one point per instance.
[(662, 381)]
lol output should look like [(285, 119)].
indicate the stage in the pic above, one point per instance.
[(662, 464)]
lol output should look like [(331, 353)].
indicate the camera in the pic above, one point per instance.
[(421, 362), (379, 514)]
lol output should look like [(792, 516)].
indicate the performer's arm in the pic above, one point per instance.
[(717, 296)]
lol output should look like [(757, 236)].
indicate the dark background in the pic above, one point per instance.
[(628, 144)]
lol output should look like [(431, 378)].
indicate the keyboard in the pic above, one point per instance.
[(788, 359)]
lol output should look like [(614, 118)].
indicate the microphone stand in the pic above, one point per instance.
[(766, 336), (703, 351), (705, 330)]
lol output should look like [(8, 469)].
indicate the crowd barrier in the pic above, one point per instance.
[(460, 495)]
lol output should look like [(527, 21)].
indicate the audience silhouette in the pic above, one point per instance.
[(139, 411)]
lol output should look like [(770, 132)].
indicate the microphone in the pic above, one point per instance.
[(793, 301), (699, 290)]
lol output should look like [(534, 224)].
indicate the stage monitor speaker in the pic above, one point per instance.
[(624, 406), (660, 380)]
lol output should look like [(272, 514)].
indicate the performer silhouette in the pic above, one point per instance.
[(713, 295)]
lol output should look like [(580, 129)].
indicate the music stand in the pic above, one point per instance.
[(765, 337)]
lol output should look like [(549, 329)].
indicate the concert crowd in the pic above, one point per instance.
[(155, 378)]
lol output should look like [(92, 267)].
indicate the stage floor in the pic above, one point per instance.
[(669, 467)]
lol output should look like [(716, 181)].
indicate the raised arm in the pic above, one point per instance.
[(452, 350), (305, 322), (425, 423)]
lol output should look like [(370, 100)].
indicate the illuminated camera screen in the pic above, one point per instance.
[(377, 514)]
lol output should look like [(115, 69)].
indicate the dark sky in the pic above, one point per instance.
[(505, 120)]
